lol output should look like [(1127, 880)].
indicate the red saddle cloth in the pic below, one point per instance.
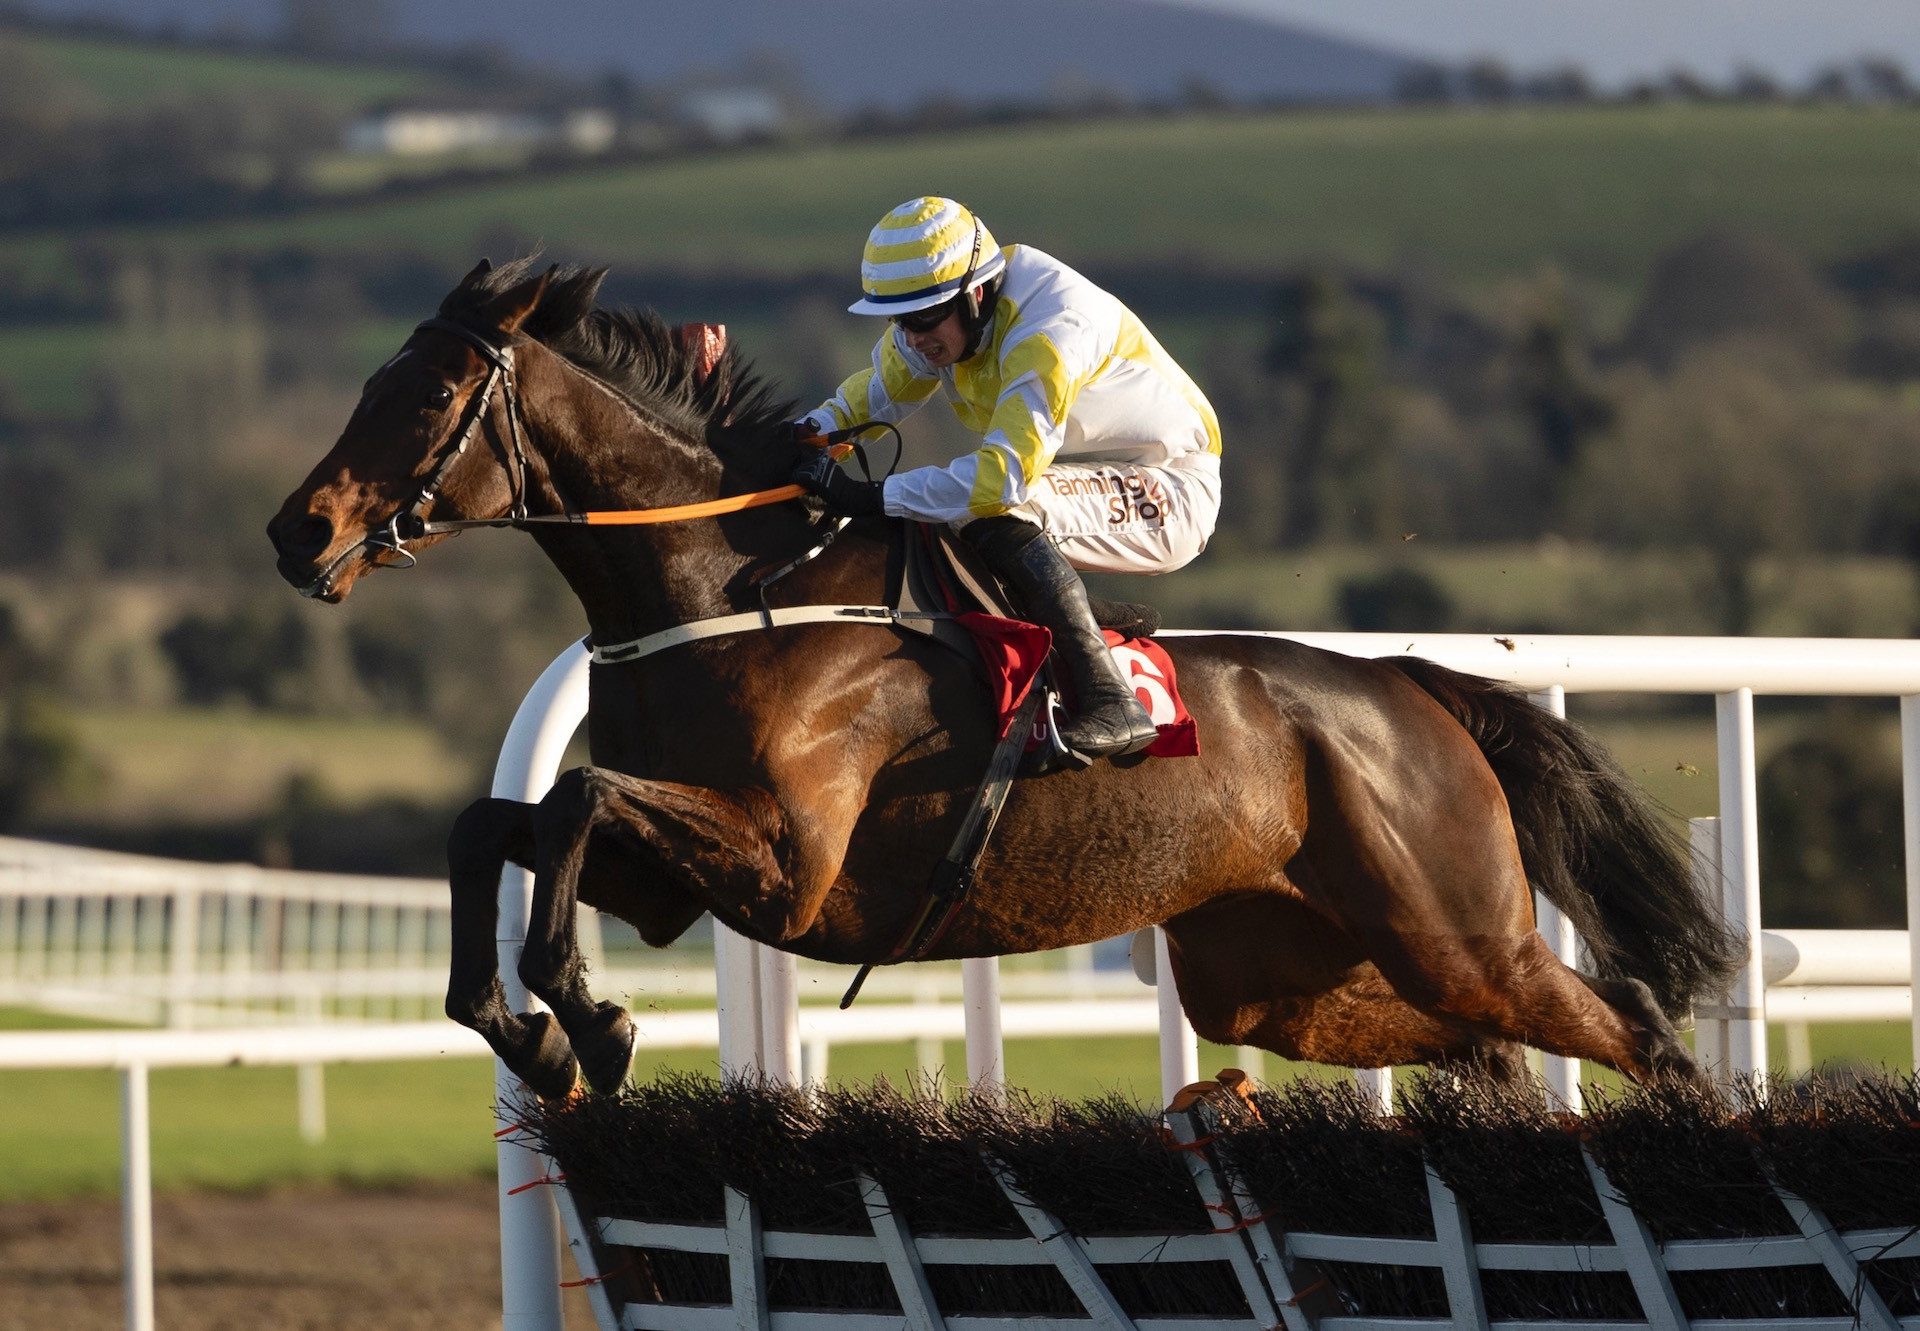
[(1013, 652)]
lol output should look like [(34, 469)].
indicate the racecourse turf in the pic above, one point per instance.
[(236, 1128)]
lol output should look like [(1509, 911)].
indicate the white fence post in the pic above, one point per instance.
[(1740, 867), (529, 1225), (779, 1016), (1376, 1084), (1710, 1032), (1179, 1047), (737, 998), (183, 957), (136, 1195), (1910, 793), (986, 1050), (1562, 1075)]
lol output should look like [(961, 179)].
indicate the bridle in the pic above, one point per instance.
[(409, 522), (499, 375)]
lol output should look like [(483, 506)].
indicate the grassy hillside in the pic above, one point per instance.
[(129, 75), (1474, 195)]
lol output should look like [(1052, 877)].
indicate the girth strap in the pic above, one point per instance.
[(953, 876)]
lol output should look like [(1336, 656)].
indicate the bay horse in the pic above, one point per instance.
[(1344, 871)]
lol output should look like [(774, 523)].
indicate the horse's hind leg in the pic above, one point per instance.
[(1271, 972), (1666, 1051), (1420, 865), (486, 835)]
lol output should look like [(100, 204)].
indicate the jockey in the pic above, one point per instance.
[(1096, 452)]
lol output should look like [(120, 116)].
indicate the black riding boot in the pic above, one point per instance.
[(1108, 719)]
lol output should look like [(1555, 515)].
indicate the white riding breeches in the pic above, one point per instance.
[(1123, 517)]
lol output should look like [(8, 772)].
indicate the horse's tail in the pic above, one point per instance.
[(1592, 842)]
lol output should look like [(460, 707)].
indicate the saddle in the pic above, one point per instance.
[(938, 575), (937, 586)]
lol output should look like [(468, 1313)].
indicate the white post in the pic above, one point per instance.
[(1740, 863), (1179, 1047), (737, 997), (779, 1016), (986, 1050), (310, 1079), (1799, 1048), (1710, 1033), (529, 1225), (1562, 1075), (930, 1058), (815, 1056), (136, 1196), (1376, 1085), (1910, 790), (183, 957)]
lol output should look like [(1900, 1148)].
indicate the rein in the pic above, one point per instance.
[(409, 522)]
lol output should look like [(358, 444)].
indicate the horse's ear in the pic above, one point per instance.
[(508, 310), (480, 270)]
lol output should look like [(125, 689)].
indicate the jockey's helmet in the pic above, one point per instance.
[(924, 252)]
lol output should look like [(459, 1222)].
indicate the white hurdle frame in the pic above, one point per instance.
[(1732, 670)]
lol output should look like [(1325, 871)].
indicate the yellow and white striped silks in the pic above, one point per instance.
[(1065, 372), (919, 255)]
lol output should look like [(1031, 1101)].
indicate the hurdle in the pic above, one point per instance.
[(1548, 666)]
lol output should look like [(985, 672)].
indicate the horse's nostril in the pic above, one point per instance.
[(307, 537)]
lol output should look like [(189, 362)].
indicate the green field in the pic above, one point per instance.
[(235, 1127), (202, 764), (1552, 586), (123, 75), (1476, 196), (1473, 198)]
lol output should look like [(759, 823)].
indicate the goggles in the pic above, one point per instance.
[(924, 321)]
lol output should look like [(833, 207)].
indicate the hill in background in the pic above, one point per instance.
[(846, 54)]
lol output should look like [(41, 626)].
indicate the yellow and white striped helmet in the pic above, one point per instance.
[(922, 253)]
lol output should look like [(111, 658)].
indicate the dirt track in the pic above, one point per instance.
[(296, 1260)]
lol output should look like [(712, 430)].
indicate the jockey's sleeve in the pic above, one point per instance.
[(1028, 425), (892, 388)]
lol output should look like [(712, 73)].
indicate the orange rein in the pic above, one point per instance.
[(631, 517)]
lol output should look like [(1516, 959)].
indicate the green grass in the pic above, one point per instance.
[(202, 763), (1548, 587), (235, 1127), (1478, 196), (123, 75), (52, 371)]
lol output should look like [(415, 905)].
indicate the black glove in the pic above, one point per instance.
[(821, 475)]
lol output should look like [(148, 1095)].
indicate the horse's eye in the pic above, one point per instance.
[(440, 396)]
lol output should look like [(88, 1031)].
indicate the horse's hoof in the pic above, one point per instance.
[(606, 1048), (546, 1062)]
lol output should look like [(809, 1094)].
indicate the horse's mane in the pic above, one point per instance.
[(631, 350)]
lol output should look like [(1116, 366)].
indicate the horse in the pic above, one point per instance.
[(1345, 872)]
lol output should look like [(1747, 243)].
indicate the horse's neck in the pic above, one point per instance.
[(602, 453)]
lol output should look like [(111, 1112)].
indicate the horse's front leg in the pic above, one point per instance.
[(487, 834), (722, 847)]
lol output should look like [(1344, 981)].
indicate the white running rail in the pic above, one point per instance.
[(131, 938)]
